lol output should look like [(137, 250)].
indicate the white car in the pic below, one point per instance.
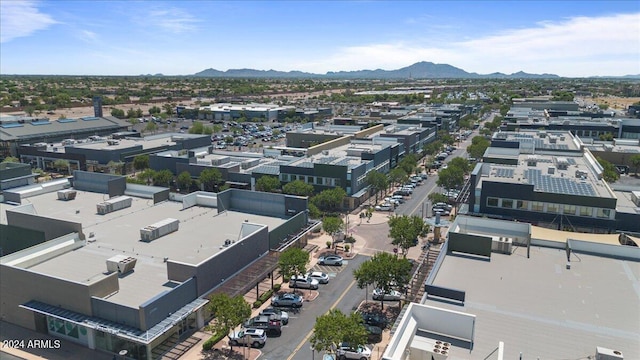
[(347, 351), (383, 207), (319, 275), (303, 282), (391, 295)]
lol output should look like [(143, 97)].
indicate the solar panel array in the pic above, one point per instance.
[(90, 118), (557, 185), (327, 160), (504, 172), (36, 123), (64, 121), (305, 164), (11, 125), (267, 169)]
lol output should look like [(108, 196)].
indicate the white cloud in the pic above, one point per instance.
[(173, 20), (20, 19), (88, 36), (578, 46)]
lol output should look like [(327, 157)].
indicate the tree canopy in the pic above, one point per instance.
[(229, 312), (332, 225), (450, 178), (335, 327), (330, 200), (478, 146), (404, 231), (298, 187), (376, 181), (609, 172), (210, 179), (184, 180), (163, 177), (293, 261), (635, 160), (268, 184), (141, 162), (383, 270)]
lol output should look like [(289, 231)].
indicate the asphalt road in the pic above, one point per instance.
[(340, 292)]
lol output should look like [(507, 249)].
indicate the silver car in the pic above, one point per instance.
[(330, 260), (320, 276)]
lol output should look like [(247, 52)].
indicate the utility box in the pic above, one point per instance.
[(608, 354), (114, 204), (159, 229), (120, 263), (66, 194)]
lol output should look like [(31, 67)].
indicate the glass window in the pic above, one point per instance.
[(604, 213), (491, 201), (522, 204), (537, 206), (507, 203), (569, 209), (552, 208), (586, 211)]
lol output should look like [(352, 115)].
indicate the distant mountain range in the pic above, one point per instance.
[(420, 70)]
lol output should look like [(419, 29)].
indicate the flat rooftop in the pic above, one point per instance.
[(539, 308), (202, 234), (559, 182), (347, 155)]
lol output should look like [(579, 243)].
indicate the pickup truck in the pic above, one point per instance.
[(264, 322)]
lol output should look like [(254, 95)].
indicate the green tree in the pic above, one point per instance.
[(141, 162), (478, 146), (268, 184), (154, 110), (292, 262), (11, 159), (196, 128), (408, 164), (376, 181), (432, 148), (61, 165), (405, 230), (461, 163), (635, 160), (450, 178), (210, 179), (314, 212), (398, 176), (332, 225), (335, 327), (163, 177), (330, 200), (119, 113), (151, 126), (437, 197), (229, 312), (606, 137), (383, 270), (184, 181), (298, 187), (146, 176), (609, 172)]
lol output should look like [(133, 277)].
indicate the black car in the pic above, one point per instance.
[(266, 323), (375, 319)]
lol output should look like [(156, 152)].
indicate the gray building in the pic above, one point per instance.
[(123, 267)]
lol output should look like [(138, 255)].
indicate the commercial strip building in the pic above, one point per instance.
[(549, 179), (96, 152), (20, 130), (507, 290), (128, 267)]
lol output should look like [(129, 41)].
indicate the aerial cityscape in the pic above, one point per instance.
[(293, 180)]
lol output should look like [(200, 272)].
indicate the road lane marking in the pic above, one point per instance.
[(422, 201), (333, 306)]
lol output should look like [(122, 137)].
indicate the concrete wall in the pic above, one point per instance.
[(158, 308), (52, 228), (292, 226), (103, 156), (368, 132), (221, 266), (14, 170), (170, 163), (331, 144), (14, 238), (53, 291), (115, 312), (113, 185), (615, 251), (470, 244)]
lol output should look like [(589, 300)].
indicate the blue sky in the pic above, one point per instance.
[(568, 38)]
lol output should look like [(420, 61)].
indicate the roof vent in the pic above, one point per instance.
[(121, 263)]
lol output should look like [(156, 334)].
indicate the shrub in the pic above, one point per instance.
[(347, 247), (208, 345), (266, 295), (328, 244), (276, 287), (257, 304), (350, 239)]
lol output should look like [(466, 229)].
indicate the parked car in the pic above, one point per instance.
[(264, 322), (276, 314), (401, 193), (375, 319), (319, 275), (391, 295), (383, 207), (287, 299), (424, 176), (251, 337), (348, 351), (330, 260), (303, 282)]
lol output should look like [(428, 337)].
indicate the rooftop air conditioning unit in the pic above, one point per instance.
[(66, 194), (121, 263), (159, 229), (608, 354), (551, 170), (114, 204)]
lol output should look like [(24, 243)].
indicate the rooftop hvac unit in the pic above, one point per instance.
[(608, 354), (551, 170), (121, 263), (114, 204), (159, 229), (66, 194)]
